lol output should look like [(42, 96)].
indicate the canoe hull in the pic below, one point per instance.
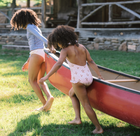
[(117, 101)]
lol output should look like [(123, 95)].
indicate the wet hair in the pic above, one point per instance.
[(63, 35), (22, 17)]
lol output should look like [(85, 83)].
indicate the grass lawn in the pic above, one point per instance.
[(18, 100)]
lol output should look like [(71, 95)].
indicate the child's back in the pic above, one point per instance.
[(76, 54), (76, 58)]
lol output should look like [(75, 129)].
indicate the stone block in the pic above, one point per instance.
[(131, 48), (130, 43), (136, 44), (128, 40), (17, 38), (115, 48), (116, 44), (107, 46), (101, 46), (3, 39), (121, 40), (96, 40), (16, 47), (1, 43), (102, 40), (10, 39), (10, 43), (108, 39), (90, 46), (114, 41), (96, 46), (135, 40), (3, 36), (138, 49), (107, 42), (123, 47), (24, 38), (20, 42)]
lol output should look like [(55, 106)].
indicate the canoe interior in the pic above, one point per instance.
[(109, 74), (114, 75)]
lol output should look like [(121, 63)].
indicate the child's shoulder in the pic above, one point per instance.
[(81, 45), (30, 26)]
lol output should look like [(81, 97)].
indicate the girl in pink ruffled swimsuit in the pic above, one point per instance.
[(77, 57), (80, 74)]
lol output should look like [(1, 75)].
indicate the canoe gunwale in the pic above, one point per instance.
[(103, 81), (117, 86), (121, 73)]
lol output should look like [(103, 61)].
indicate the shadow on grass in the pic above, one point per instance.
[(27, 125), (18, 98), (32, 126)]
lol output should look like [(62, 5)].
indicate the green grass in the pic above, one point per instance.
[(126, 62), (18, 100)]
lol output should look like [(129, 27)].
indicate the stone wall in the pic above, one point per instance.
[(96, 43), (121, 44)]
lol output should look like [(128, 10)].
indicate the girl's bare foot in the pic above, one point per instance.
[(48, 104), (40, 109), (95, 131), (75, 122)]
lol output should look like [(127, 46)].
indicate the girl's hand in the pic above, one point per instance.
[(100, 77), (43, 79), (53, 50), (25, 66)]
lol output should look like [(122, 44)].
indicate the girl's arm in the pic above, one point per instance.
[(31, 29), (93, 65), (56, 66)]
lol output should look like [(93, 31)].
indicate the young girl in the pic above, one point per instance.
[(27, 19), (77, 57)]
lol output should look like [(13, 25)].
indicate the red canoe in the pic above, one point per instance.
[(118, 95)]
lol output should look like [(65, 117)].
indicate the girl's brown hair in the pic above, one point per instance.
[(63, 35), (22, 17)]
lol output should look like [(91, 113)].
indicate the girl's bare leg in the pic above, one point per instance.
[(33, 70), (45, 88), (80, 91), (76, 106)]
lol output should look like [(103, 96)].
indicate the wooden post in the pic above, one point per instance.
[(55, 8), (79, 11), (28, 3), (110, 13), (43, 13), (13, 6)]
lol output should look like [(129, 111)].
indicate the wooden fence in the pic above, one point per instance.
[(81, 19)]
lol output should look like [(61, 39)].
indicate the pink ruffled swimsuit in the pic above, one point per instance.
[(80, 74)]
